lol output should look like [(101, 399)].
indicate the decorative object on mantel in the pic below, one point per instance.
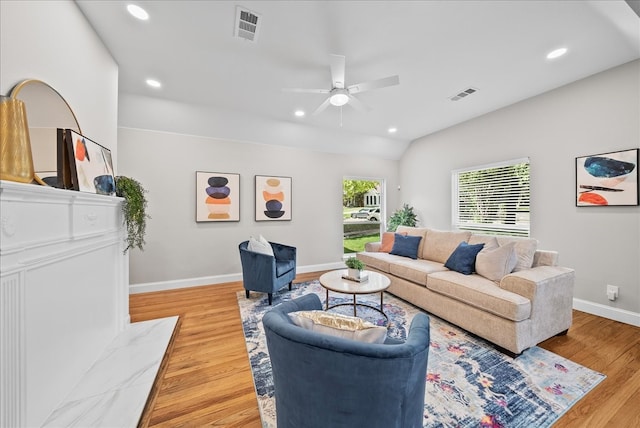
[(16, 161), (134, 210), (355, 270), (46, 111), (608, 179), (402, 217), (91, 164)]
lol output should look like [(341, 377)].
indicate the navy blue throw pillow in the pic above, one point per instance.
[(463, 258), (406, 246)]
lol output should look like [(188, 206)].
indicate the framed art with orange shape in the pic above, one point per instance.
[(273, 198), (217, 197)]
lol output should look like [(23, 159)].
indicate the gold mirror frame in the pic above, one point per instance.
[(46, 110)]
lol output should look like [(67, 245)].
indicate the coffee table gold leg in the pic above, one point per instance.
[(326, 308), (381, 297), (354, 305)]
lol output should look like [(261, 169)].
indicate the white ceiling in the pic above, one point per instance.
[(436, 47)]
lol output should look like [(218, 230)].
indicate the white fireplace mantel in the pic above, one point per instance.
[(63, 293)]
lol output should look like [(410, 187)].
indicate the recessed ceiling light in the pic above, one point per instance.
[(392, 130), (299, 113), (153, 83), (556, 53), (138, 12)]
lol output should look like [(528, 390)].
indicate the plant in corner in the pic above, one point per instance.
[(402, 217), (134, 210)]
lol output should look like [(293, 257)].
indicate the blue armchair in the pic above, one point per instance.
[(265, 273), (325, 381)]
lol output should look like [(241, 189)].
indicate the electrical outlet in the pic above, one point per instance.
[(612, 292)]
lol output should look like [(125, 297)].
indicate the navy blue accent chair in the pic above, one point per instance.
[(265, 273), (326, 381)]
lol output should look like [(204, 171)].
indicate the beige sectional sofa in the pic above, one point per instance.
[(515, 307)]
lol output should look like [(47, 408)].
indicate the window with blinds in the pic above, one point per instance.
[(492, 199)]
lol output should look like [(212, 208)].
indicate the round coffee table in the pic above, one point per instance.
[(376, 283)]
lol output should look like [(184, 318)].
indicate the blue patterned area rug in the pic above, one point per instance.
[(468, 384)]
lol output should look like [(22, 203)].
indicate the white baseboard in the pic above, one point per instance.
[(598, 309), (604, 311), (216, 279)]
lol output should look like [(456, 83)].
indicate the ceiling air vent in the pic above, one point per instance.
[(460, 95), (247, 24)]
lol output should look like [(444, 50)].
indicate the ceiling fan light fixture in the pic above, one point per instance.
[(339, 99)]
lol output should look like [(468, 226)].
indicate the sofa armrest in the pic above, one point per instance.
[(550, 290), (372, 247)]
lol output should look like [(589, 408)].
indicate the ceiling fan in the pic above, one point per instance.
[(340, 95)]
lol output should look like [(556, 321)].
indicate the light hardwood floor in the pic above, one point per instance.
[(208, 382)]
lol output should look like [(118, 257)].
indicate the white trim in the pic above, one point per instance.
[(621, 315), (492, 165), (216, 279)]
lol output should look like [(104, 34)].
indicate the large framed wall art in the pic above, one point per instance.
[(217, 196), (91, 166), (273, 198), (608, 179)]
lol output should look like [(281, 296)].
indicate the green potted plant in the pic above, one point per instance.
[(134, 210), (402, 217), (355, 267)]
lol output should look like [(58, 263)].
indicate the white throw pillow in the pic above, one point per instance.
[(495, 263), (260, 245), (339, 325)]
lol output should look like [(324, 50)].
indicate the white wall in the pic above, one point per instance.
[(598, 114), (181, 252), (52, 41)]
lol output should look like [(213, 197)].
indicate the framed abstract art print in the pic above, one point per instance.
[(217, 196), (607, 179), (90, 164), (273, 198)]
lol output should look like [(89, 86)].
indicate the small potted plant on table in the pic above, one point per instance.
[(355, 267)]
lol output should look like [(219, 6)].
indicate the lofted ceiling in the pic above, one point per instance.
[(437, 48)]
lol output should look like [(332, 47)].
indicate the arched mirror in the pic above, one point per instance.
[(47, 110)]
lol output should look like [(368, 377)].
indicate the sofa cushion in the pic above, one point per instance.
[(439, 244), (545, 258), (414, 231), (415, 270), (463, 258), (284, 266), (488, 241), (497, 262), (378, 261), (388, 239), (339, 325), (406, 246), (477, 291), (525, 250)]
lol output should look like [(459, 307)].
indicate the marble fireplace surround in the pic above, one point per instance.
[(68, 352)]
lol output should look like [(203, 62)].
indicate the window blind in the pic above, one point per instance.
[(493, 199)]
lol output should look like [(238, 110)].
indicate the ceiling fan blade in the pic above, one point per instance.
[(358, 105), (322, 106), (374, 84), (337, 70), (310, 91)]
